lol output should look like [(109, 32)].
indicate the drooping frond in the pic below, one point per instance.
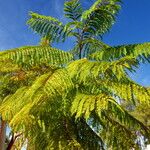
[(110, 114), (125, 127), (36, 55), (83, 104), (48, 26), (118, 113), (108, 77), (72, 9), (50, 85), (117, 135), (83, 69), (130, 91), (41, 107), (101, 16), (140, 51), (12, 104)]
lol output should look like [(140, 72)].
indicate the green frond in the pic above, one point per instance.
[(83, 69), (101, 16), (140, 51), (84, 105), (36, 55), (12, 104), (124, 126), (131, 91), (8, 85), (73, 9), (116, 126), (122, 89), (112, 6), (48, 86), (47, 26), (122, 116), (48, 18), (117, 135), (59, 82), (73, 26)]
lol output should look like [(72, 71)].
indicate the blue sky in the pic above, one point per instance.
[(132, 26)]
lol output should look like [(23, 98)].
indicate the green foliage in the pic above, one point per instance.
[(85, 25), (30, 56), (47, 26), (84, 68), (73, 10), (140, 52), (73, 100), (101, 16)]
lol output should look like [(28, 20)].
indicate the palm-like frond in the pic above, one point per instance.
[(104, 80), (112, 118), (140, 51), (22, 107), (84, 68), (30, 56), (84, 104), (101, 16), (48, 27), (125, 125), (19, 108), (46, 83), (73, 9)]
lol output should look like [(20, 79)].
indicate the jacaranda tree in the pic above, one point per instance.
[(72, 100)]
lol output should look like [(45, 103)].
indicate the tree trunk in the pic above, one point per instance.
[(11, 143), (2, 135)]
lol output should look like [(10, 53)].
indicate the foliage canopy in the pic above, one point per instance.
[(71, 100)]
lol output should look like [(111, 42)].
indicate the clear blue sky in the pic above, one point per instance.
[(132, 26)]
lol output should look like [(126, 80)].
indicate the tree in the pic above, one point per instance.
[(70, 100), (2, 134)]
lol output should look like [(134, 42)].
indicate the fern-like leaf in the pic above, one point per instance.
[(48, 27), (72, 9), (83, 69), (36, 55), (140, 51), (48, 87), (101, 16)]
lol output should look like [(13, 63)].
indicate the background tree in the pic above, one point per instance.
[(70, 100)]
